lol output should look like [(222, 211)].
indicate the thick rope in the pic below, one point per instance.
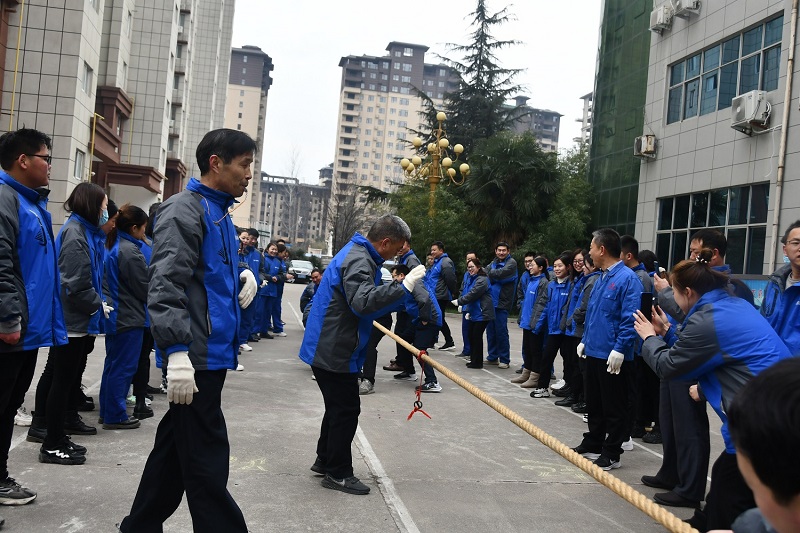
[(628, 493)]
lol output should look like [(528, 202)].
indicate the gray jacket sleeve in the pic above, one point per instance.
[(133, 272), (508, 270), (177, 241), (10, 301), (75, 267), (477, 290), (579, 314), (363, 297), (696, 345), (449, 276)]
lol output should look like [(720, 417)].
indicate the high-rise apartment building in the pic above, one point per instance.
[(248, 84), (376, 108), (113, 82), (585, 120), (293, 211), (542, 123)]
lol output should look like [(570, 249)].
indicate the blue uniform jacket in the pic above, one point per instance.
[(781, 308), (476, 299), (609, 316), (536, 284), (271, 267), (29, 277), (125, 284), (557, 299), (722, 343), (503, 278)]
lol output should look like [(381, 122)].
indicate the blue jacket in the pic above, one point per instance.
[(552, 320), (476, 298), (421, 306), (533, 291), (723, 343), (441, 278), (503, 278), (781, 308), (29, 277), (271, 267), (194, 278), (609, 316), (579, 303), (409, 259), (349, 297), (81, 248), (125, 284), (250, 258)]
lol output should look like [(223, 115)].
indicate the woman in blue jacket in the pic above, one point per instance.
[(476, 300), (125, 289), (271, 270), (532, 343), (722, 343), (553, 322), (79, 246)]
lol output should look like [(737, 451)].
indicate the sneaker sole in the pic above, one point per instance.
[(317, 470), (17, 501), (612, 466), (591, 456), (49, 459), (335, 486)]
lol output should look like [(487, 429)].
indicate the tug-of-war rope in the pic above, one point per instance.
[(625, 491)]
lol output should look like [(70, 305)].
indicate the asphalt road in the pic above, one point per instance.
[(467, 469)]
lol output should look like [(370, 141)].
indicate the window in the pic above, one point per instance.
[(129, 24), (397, 53), (397, 66), (395, 77), (403, 112), (407, 67), (738, 212), (708, 81), (405, 90), (86, 81), (404, 101), (80, 162), (408, 52), (244, 59), (405, 79), (240, 115), (241, 104), (244, 71), (241, 93)]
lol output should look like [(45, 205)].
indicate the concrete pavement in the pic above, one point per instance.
[(467, 469)]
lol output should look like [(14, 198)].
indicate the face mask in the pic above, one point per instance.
[(103, 217)]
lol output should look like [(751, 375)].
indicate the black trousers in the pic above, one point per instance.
[(375, 336), (142, 376), (16, 374), (607, 406), (340, 421), (553, 345), (76, 395), (405, 330), (727, 498), (648, 386), (532, 345), (191, 454), (685, 440), (57, 390), (445, 329), (476, 330)]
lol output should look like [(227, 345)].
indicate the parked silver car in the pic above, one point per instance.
[(301, 269)]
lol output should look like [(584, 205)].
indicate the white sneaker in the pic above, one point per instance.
[(628, 445), (280, 334), (558, 384), (22, 418), (239, 367), (245, 348)]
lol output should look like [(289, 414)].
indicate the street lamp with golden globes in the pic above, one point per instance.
[(437, 163)]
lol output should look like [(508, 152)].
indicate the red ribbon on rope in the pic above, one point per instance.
[(418, 402)]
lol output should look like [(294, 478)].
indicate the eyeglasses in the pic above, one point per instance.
[(793, 243), (579, 261), (529, 260), (47, 158)]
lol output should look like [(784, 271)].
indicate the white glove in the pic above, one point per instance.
[(180, 378), (460, 309), (615, 362), (466, 315), (263, 283), (582, 351), (249, 288), (107, 309), (455, 303), (416, 274)]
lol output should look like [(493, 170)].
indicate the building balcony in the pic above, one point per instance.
[(115, 107), (183, 34), (348, 158), (186, 6), (174, 128), (180, 65), (130, 175), (350, 112), (177, 97)]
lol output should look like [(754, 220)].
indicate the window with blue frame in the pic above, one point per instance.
[(709, 80)]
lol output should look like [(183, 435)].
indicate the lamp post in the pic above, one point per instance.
[(437, 165)]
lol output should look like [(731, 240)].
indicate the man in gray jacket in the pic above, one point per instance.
[(348, 299), (441, 280), (194, 311)]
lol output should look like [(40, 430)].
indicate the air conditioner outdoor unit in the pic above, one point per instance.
[(661, 18), (645, 147), (684, 8), (750, 112)]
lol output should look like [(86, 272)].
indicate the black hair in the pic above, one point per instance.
[(529, 254), (86, 200), (794, 225), (151, 219), (478, 265), (541, 262), (711, 238), (648, 258), (439, 244), (566, 258), (226, 144), (112, 208), (390, 227), (22, 141), (608, 239), (502, 243), (629, 245), (401, 269), (764, 423), (697, 274), (129, 216), (253, 232)]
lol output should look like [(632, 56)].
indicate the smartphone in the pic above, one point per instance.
[(647, 305), (655, 268)]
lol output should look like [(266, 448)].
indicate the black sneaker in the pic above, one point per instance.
[(76, 426), (607, 463), (405, 376), (586, 452), (569, 401), (350, 485), (563, 392), (318, 467), (12, 493), (447, 347), (153, 390), (130, 423), (80, 450), (579, 407), (653, 437), (63, 454), (142, 411)]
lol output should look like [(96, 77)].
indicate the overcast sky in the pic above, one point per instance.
[(307, 38)]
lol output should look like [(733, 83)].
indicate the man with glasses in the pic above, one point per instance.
[(781, 305), (30, 307)]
